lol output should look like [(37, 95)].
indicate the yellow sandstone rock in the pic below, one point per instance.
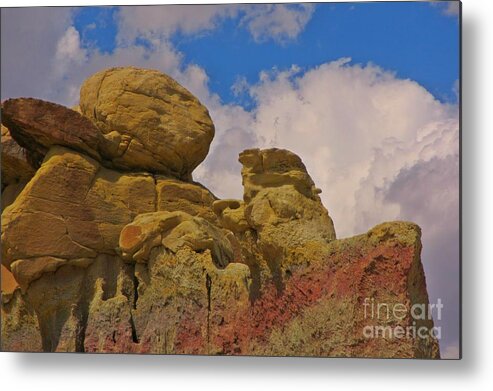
[(192, 198), (15, 165), (150, 122), (175, 230), (282, 203), (72, 208)]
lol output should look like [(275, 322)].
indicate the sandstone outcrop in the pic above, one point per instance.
[(16, 172), (173, 231), (15, 165), (149, 121), (382, 265), (281, 212), (178, 196), (282, 205), (74, 209), (116, 249), (17, 169), (71, 210), (20, 326), (38, 125)]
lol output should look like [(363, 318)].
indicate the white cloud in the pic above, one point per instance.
[(158, 21), (69, 54), (240, 86), (29, 40), (69, 48), (280, 22), (160, 56)]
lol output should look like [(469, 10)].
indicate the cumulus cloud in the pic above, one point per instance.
[(279, 22), (158, 21), (428, 194), (69, 48), (29, 42), (47, 59), (69, 55)]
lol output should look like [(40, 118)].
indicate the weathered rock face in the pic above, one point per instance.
[(115, 261), (37, 125), (173, 231), (72, 210), (16, 172), (15, 165), (281, 212), (149, 121), (174, 196), (282, 202), (20, 326), (382, 265)]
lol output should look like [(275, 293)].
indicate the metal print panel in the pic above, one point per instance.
[(238, 179)]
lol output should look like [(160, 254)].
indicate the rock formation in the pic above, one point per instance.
[(148, 121), (16, 172), (113, 248), (37, 125)]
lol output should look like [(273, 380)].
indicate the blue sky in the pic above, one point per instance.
[(412, 39)]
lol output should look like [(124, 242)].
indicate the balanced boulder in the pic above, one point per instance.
[(150, 122)]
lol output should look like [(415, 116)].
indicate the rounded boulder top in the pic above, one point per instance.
[(149, 121)]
